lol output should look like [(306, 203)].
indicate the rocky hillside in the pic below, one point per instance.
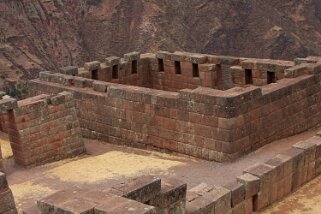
[(47, 34)]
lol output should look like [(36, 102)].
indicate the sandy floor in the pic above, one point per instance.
[(105, 165)]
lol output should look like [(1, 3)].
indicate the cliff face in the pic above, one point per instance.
[(47, 34)]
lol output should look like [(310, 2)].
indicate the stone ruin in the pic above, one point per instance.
[(217, 108), (210, 107)]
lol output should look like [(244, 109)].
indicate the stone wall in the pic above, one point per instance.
[(261, 184), (163, 70), (7, 204), (44, 129), (145, 195), (204, 122), (3, 122), (258, 187)]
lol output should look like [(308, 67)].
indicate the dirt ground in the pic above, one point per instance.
[(105, 165)]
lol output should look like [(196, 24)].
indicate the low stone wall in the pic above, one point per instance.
[(44, 129), (7, 204), (145, 195), (261, 184), (258, 187)]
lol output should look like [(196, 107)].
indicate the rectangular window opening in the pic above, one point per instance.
[(115, 72), (196, 72), (94, 74), (178, 69), (161, 67), (248, 76), (134, 67), (271, 78)]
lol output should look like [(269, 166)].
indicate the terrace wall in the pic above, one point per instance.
[(206, 123)]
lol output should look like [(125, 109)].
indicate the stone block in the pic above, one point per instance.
[(49, 204), (100, 86), (69, 70), (318, 166), (172, 197), (2, 94), (197, 191), (217, 200), (282, 163), (75, 206), (200, 205), (198, 58), (251, 183), (296, 156), (120, 205), (56, 100), (90, 66), (315, 69), (245, 207), (45, 75), (113, 60), (309, 150), (6, 201), (316, 140), (3, 181), (296, 71), (178, 56), (237, 192), (222, 198), (268, 190), (132, 56), (8, 104), (79, 82), (163, 55), (141, 189)]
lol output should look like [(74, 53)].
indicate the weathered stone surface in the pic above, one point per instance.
[(217, 200), (90, 66), (251, 183), (172, 197), (163, 55), (132, 56), (112, 60), (7, 202), (3, 181), (296, 71), (237, 192), (2, 94), (141, 189), (8, 104), (69, 70), (120, 205)]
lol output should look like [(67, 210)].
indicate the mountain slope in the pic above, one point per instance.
[(46, 34)]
